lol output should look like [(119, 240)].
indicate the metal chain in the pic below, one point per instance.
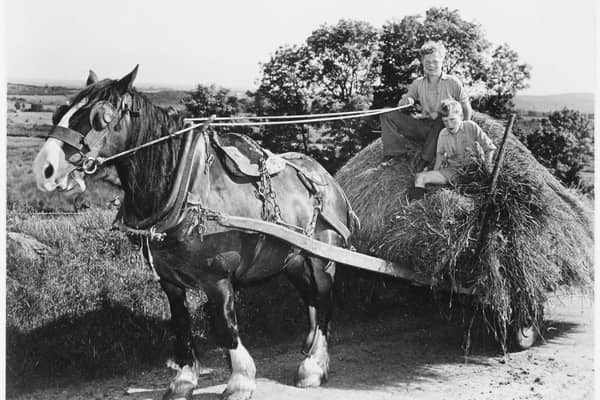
[(200, 219), (265, 193)]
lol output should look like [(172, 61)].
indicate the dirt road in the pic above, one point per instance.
[(417, 359)]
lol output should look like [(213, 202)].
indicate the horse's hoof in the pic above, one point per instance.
[(183, 385), (239, 395), (239, 387), (179, 390), (310, 374)]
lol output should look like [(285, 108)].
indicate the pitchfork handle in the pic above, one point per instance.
[(495, 173)]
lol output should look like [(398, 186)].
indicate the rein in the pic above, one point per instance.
[(303, 119), (204, 125), (90, 165)]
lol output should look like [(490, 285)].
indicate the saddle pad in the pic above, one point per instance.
[(295, 160), (242, 155)]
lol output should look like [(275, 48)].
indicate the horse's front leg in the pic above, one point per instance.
[(313, 277), (186, 354), (241, 383)]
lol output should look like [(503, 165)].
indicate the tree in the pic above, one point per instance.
[(400, 43), (283, 90), (563, 143), (343, 65), (212, 100), (503, 76), (335, 70)]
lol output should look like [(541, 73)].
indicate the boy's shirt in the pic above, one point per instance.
[(455, 149), (431, 96)]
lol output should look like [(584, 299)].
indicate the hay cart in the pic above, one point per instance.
[(523, 336)]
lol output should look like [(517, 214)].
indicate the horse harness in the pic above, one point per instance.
[(185, 212), (103, 117)]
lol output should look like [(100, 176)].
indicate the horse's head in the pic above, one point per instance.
[(95, 124)]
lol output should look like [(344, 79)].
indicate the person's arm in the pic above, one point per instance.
[(439, 154), (406, 101), (487, 145), (489, 157), (409, 98)]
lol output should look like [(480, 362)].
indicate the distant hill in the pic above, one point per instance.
[(583, 102), (26, 89), (161, 97)]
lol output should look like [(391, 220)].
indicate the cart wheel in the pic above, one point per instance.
[(524, 337)]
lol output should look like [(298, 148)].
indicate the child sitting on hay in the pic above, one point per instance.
[(458, 142)]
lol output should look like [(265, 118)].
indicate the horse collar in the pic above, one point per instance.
[(171, 213)]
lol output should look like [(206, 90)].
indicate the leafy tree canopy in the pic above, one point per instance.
[(563, 143)]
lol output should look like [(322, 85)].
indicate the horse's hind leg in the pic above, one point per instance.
[(313, 277), (241, 383), (186, 353)]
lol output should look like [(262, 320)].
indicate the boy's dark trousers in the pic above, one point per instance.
[(396, 123)]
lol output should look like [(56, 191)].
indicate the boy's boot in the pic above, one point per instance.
[(415, 193)]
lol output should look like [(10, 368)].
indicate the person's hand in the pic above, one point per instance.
[(406, 101)]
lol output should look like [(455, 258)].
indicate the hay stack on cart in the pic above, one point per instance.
[(537, 236)]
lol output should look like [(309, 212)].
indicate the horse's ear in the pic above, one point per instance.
[(92, 78), (126, 82)]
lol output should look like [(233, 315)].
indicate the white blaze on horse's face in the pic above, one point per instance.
[(50, 167)]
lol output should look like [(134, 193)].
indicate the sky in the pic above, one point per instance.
[(181, 43)]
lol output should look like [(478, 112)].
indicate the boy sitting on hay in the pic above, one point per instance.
[(428, 90), (458, 142)]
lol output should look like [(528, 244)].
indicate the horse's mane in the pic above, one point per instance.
[(146, 175)]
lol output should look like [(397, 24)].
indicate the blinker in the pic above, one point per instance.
[(101, 115)]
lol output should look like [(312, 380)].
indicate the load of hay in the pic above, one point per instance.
[(537, 235)]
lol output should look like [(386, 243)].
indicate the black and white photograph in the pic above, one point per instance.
[(274, 200)]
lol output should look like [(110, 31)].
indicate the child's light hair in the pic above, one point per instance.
[(431, 47), (450, 107)]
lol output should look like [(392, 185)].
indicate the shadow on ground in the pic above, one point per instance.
[(81, 348), (389, 335)]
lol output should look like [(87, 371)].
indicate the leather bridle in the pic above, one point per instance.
[(104, 117)]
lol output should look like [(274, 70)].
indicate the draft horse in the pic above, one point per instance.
[(172, 188)]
